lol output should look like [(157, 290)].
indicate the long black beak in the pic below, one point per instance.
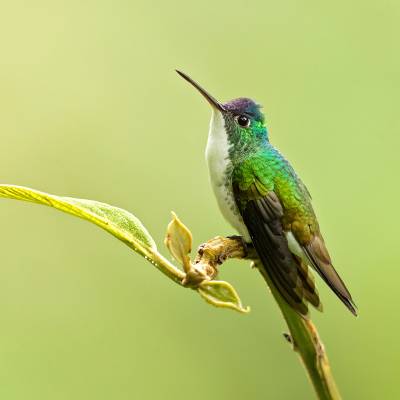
[(214, 102)]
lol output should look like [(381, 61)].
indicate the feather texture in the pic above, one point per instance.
[(263, 218), (273, 204)]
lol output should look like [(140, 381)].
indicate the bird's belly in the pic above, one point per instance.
[(227, 205)]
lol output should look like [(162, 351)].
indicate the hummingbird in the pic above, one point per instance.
[(259, 193)]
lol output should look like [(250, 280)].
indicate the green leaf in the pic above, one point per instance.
[(221, 294), (179, 242), (127, 228), (120, 223)]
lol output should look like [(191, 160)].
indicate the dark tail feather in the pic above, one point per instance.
[(333, 280), (321, 262)]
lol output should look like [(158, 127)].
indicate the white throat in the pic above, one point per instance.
[(219, 167), (217, 150)]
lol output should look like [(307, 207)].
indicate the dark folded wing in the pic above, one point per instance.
[(262, 214)]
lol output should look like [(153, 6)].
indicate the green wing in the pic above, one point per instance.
[(271, 207), (262, 213)]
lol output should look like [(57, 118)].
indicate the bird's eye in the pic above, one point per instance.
[(243, 121)]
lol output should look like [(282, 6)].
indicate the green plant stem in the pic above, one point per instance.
[(303, 334), (306, 342), (166, 267)]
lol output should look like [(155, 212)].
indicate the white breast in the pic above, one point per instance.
[(217, 157)]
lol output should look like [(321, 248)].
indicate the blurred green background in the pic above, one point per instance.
[(90, 106)]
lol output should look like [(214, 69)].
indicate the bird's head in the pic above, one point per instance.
[(241, 119)]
